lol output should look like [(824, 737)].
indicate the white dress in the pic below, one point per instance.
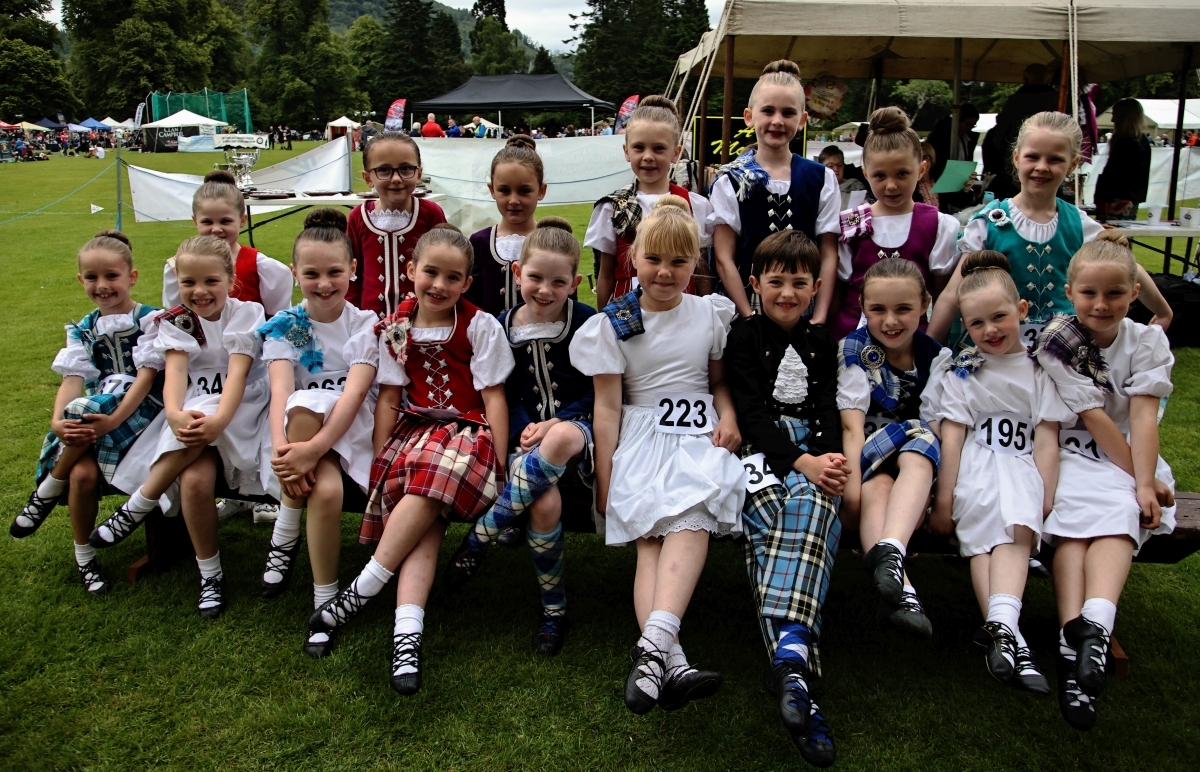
[(996, 492), (346, 342), (725, 204), (245, 445), (601, 236), (275, 282), (1095, 497), (664, 482)]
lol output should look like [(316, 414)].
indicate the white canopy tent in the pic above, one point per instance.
[(110, 122), (345, 124), (1160, 115), (183, 119)]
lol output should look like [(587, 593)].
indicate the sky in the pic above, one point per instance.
[(545, 22)]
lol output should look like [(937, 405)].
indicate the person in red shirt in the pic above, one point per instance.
[(431, 128)]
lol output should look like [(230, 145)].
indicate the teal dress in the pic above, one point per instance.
[(1039, 269)]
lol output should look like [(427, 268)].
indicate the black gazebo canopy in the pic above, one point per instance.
[(512, 92)]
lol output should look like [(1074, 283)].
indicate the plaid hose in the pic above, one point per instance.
[(791, 534), (913, 436), (110, 447)]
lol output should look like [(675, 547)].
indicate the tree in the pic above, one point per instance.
[(494, 51), (494, 8), (228, 48), (32, 82), (365, 40), (542, 63), (445, 42), (22, 20), (406, 62), (918, 93)]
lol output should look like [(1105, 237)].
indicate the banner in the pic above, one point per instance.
[(395, 116), (137, 119), (166, 140), (824, 94), (261, 141), (627, 107)]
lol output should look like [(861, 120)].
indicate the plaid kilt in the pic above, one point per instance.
[(111, 447), (790, 540), (912, 436), (452, 462)]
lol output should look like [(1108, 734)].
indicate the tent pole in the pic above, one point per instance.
[(118, 185), (727, 108), (956, 109), (700, 134), (593, 126), (1171, 194)]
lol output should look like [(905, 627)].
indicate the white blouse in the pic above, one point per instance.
[(347, 341), (725, 204), (600, 234), (491, 354), (1005, 382), (74, 359), (388, 219), (892, 231), (975, 234), (235, 332), (854, 389), (509, 247), (535, 331), (671, 356), (275, 282)]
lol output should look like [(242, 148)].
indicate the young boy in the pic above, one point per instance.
[(783, 375)]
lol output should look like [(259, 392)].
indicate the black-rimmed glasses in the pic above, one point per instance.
[(385, 173)]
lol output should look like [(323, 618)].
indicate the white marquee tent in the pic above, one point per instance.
[(183, 119), (344, 124), (1160, 115)]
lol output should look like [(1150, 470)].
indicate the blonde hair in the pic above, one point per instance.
[(984, 268), (891, 131), (780, 72), (1127, 118), (1102, 251), (1058, 123), (219, 185), (896, 268), (553, 235), (206, 246), (656, 109), (445, 234), (669, 229), (111, 241)]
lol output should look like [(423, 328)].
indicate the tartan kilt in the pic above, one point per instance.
[(912, 436), (452, 462), (111, 447)]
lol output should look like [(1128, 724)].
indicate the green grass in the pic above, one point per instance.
[(138, 680)]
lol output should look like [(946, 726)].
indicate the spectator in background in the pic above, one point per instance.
[(431, 128), (1122, 185), (271, 137), (1192, 139), (605, 128), (967, 138), (478, 130), (569, 131), (924, 193), (368, 131), (834, 159), (287, 136), (1034, 96), (453, 130)]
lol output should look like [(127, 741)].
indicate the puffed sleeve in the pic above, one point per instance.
[(240, 335), (931, 395), (170, 285), (391, 372), (1151, 364), (954, 404), (944, 256), (724, 205), (974, 236), (600, 234), (171, 338), (829, 205), (145, 352), (491, 357), (1091, 228), (702, 211), (595, 349), (74, 360), (1076, 390), (723, 312), (1050, 405), (274, 285), (853, 389), (276, 349), (362, 348)]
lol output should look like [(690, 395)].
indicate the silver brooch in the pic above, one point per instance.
[(624, 315), (872, 356)]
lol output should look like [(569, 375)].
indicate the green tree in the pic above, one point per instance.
[(494, 8), (542, 63), (228, 49), (32, 82), (494, 51), (365, 40), (918, 93), (445, 42), (22, 20)]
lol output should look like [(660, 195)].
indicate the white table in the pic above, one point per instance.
[(1135, 230), (302, 202)]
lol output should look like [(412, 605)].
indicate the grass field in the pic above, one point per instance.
[(139, 680)]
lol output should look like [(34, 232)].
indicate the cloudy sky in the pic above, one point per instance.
[(543, 21)]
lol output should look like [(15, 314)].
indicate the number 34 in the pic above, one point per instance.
[(685, 419)]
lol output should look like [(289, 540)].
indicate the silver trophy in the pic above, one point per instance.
[(239, 161)]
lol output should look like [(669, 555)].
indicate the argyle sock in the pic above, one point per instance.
[(794, 642), (547, 549), (532, 477)]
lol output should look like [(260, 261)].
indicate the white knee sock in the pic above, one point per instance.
[(895, 543), (139, 505), (84, 553), (287, 526), (661, 629), (409, 619), (210, 567), (372, 579), (51, 487), (1100, 611)]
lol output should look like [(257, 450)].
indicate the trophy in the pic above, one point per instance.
[(239, 161)]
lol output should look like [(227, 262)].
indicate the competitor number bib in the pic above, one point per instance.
[(759, 475), (117, 383), (684, 413), (207, 382), (333, 380), (1082, 442), (1008, 434), (874, 423), (1030, 332)]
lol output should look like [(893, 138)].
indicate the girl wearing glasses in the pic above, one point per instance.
[(385, 232)]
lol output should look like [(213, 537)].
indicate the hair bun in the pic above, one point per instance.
[(672, 201), (983, 260), (887, 120), (785, 66), (521, 140), (326, 217), (658, 100), (445, 226), (115, 234), (553, 221), (220, 175)]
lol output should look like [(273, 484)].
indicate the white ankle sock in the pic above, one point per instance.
[(1006, 609), (895, 543), (287, 526), (209, 567), (910, 590), (409, 619), (84, 553), (51, 487), (372, 579), (138, 505), (1064, 648), (323, 593), (676, 660), (1100, 611), (657, 637)]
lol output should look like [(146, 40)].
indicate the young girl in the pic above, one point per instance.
[(440, 449), (885, 369), (104, 403), (321, 356), (770, 189), (1112, 496), (550, 419), (517, 185), (669, 478), (652, 144), (215, 398), (384, 233), (893, 226), (219, 209), (999, 417), (1037, 231)]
